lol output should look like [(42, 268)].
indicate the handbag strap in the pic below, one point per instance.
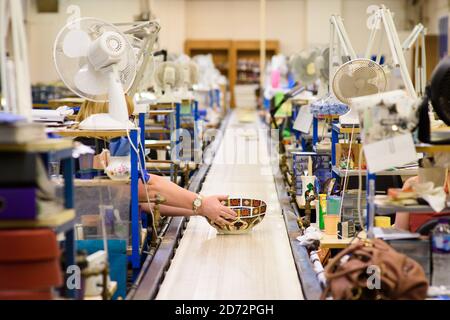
[(330, 276)]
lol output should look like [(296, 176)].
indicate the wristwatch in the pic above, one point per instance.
[(197, 204)]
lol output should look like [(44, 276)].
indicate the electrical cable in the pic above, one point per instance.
[(142, 169), (346, 172), (360, 217)]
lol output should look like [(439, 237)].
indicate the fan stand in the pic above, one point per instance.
[(169, 96), (104, 121), (186, 94), (117, 117), (350, 119), (323, 89)]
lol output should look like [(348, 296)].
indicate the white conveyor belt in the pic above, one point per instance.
[(257, 265)]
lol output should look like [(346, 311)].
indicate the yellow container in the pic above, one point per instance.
[(383, 222), (331, 223)]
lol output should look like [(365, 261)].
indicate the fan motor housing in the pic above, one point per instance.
[(106, 50)]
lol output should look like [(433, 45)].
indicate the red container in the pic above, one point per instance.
[(29, 260), (26, 295)]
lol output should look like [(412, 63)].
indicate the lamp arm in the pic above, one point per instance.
[(424, 63), (146, 52), (397, 51), (413, 36), (332, 51), (342, 32), (373, 34)]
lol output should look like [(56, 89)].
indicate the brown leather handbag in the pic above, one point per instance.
[(373, 270)]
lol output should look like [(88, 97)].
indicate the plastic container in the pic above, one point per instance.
[(331, 224), (440, 239), (333, 205), (383, 222), (322, 210)]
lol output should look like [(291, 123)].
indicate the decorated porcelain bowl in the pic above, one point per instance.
[(249, 212), (119, 168)]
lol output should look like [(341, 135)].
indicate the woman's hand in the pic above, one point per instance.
[(216, 211), (409, 183)]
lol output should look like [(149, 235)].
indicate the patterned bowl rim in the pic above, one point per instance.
[(262, 206)]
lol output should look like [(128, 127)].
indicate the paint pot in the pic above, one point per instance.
[(331, 223), (383, 222), (161, 154)]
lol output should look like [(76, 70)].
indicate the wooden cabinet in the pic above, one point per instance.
[(238, 60)]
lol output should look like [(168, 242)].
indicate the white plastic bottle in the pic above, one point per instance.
[(441, 253)]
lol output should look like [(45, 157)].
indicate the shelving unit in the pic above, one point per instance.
[(60, 222), (383, 208), (394, 172), (428, 148), (333, 119), (299, 136), (63, 222), (135, 257), (226, 54), (172, 116), (336, 130), (222, 54), (314, 136), (189, 121), (60, 147)]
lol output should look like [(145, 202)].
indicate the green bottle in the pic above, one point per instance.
[(322, 210)]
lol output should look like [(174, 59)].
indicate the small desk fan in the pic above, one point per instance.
[(438, 93), (168, 77), (357, 78), (189, 78), (303, 66), (322, 63), (97, 62)]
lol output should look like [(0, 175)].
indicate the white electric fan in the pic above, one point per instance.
[(189, 75), (322, 63), (303, 66), (168, 77), (357, 78), (354, 77), (97, 62)]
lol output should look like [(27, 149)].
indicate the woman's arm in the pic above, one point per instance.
[(181, 198), (168, 210), (175, 195), (402, 221), (402, 218)]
